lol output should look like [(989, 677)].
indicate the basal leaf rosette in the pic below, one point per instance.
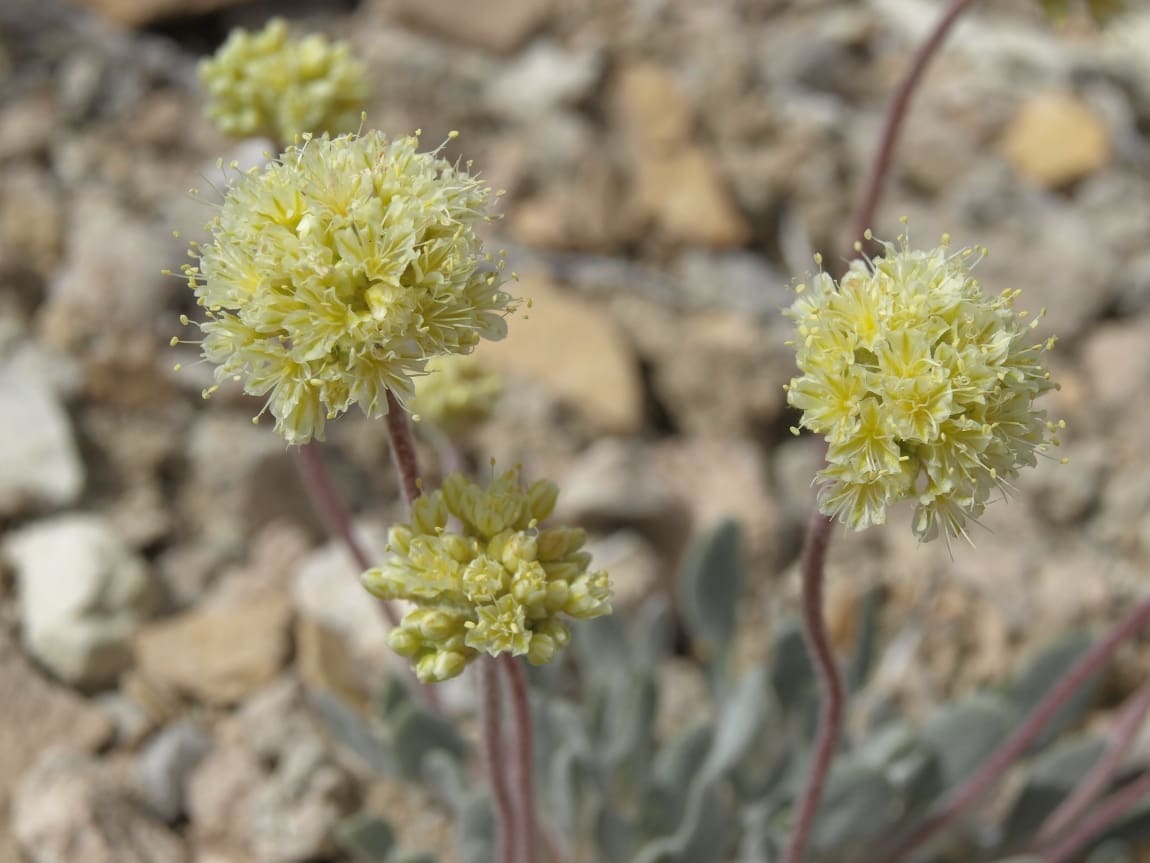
[(267, 83), (922, 385), (335, 272), (498, 584)]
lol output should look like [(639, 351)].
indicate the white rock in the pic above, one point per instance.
[(39, 463), (543, 78), (82, 596)]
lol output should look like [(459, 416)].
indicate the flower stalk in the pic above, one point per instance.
[(524, 759), (495, 759)]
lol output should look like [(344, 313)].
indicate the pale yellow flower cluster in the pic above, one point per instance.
[(498, 585), (335, 272), (456, 394), (922, 386), (267, 83)]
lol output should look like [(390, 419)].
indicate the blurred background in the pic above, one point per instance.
[(166, 593)]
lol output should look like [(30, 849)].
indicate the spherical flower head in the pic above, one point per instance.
[(502, 584), (334, 273), (922, 385), (456, 395), (267, 83)]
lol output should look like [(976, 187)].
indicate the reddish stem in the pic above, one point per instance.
[(1109, 811), (334, 514), (403, 448), (524, 758), (1101, 776), (1024, 736), (896, 114), (495, 758), (833, 704)]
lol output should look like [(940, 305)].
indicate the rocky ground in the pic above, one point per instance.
[(166, 594)]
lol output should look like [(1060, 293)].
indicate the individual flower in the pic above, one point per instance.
[(456, 394), (267, 83), (334, 273), (922, 385), (500, 584)]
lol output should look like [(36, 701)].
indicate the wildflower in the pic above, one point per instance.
[(267, 83), (922, 385), (336, 271), (499, 585), (456, 394)]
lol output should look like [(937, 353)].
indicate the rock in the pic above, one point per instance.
[(294, 813), (219, 797), (689, 201), (718, 478), (613, 484), (38, 714), (741, 282), (27, 126), (1117, 359), (138, 13), (31, 221), (543, 78), (110, 291), (499, 25), (39, 462), (326, 662), (678, 184), (1065, 494), (83, 595), (575, 351), (219, 654), (1055, 139), (165, 765), (67, 808), (327, 592)]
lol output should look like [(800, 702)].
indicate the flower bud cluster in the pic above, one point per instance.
[(922, 385), (499, 584), (336, 271), (456, 394), (269, 84)]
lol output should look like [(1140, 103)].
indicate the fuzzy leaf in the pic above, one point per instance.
[(742, 716), (963, 734), (704, 834), (629, 718), (615, 836), (859, 805), (792, 675), (1053, 776), (347, 729), (366, 837), (447, 779), (653, 631), (1041, 672), (862, 660), (418, 732), (475, 830), (710, 588)]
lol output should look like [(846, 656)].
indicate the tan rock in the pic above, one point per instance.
[(136, 13), (1055, 139), (494, 25), (576, 351), (689, 201), (219, 654), (651, 109), (326, 661), (37, 714)]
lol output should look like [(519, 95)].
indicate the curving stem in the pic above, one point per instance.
[(1016, 745), (1108, 811), (834, 698)]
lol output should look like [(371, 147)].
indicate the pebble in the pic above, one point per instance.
[(44, 715), (219, 654), (1055, 139), (543, 78), (575, 351), (500, 26), (68, 807), (40, 466), (83, 595), (166, 763)]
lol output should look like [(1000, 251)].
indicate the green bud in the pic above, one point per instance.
[(541, 498)]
